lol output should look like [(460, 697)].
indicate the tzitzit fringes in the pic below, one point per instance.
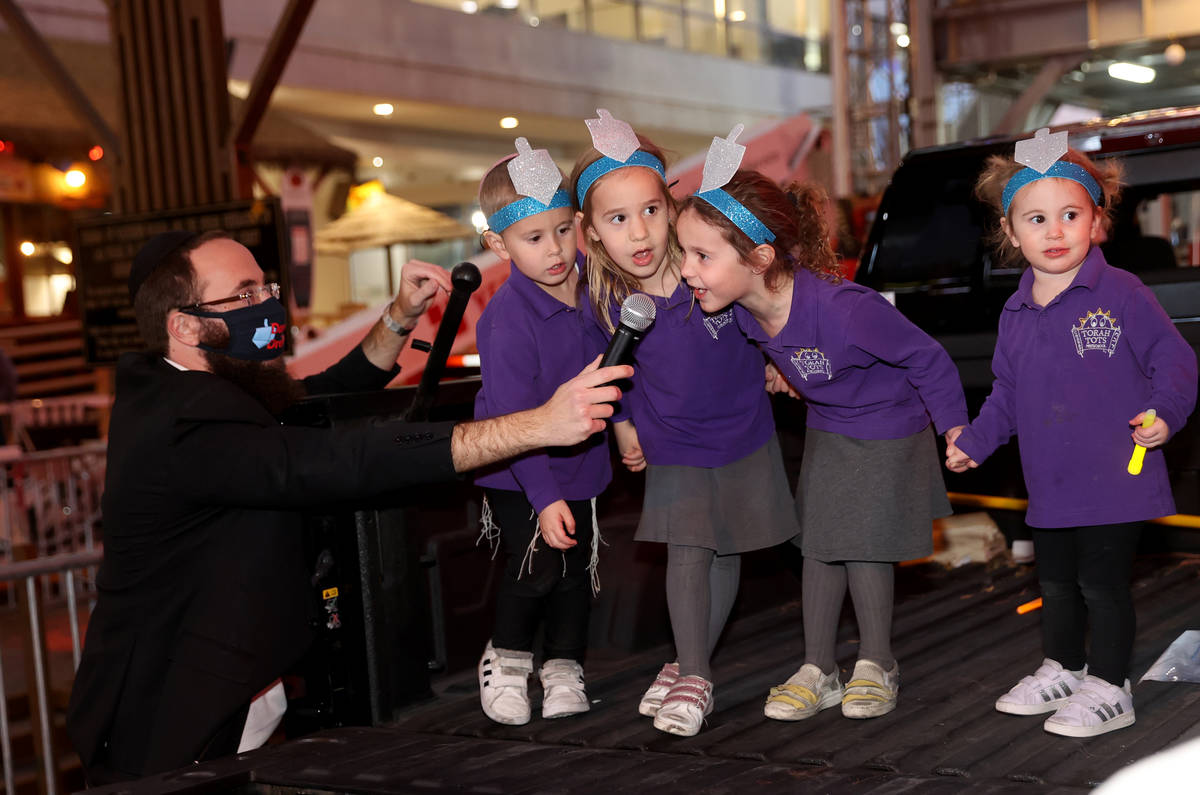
[(527, 561), (593, 566), (488, 529)]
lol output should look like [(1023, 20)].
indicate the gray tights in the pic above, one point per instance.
[(871, 586), (701, 587)]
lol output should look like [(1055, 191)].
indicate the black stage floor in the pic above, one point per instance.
[(960, 643)]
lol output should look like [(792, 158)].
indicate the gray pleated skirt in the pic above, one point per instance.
[(742, 506), (869, 499)]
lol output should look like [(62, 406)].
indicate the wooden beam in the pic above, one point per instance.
[(41, 54), (1051, 72), (283, 41), (923, 71)]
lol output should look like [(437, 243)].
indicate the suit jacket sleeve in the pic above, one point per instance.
[(222, 457)]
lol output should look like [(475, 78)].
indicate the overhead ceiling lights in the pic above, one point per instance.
[(1132, 72), (509, 122), (383, 109), (377, 161)]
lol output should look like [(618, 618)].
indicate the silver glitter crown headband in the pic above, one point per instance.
[(722, 162), (535, 177), (1041, 155)]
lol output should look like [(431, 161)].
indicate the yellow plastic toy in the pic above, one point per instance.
[(1139, 452)]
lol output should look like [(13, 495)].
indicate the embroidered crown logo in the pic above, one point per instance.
[(714, 323), (810, 361), (1098, 331)]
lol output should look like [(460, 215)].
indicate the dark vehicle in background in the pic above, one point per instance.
[(929, 252)]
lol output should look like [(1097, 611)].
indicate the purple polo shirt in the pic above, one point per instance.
[(697, 396), (864, 369), (529, 344), (1069, 377)]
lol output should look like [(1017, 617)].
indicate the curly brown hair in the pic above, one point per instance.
[(795, 216), (608, 285), (999, 169)]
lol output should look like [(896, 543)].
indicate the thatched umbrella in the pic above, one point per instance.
[(382, 220)]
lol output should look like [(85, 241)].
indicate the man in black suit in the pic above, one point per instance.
[(202, 591)]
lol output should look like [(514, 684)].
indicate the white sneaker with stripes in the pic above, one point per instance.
[(504, 685), (1045, 691), (1097, 707)]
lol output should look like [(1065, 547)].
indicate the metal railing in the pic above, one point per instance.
[(50, 504), (21, 577)]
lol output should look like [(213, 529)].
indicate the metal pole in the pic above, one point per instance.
[(39, 677), (5, 740), (839, 66), (73, 616)]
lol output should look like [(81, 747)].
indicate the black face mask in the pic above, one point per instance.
[(256, 333)]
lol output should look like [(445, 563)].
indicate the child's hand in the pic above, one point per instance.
[(631, 449), (777, 383), (1156, 434), (557, 525), (957, 460)]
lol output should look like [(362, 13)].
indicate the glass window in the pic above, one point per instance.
[(662, 24), (613, 18), (705, 34)]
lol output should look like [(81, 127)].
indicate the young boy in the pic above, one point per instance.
[(532, 338)]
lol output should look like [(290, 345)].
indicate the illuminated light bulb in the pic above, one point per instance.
[(1132, 72)]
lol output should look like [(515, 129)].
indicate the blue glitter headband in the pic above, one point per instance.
[(1063, 170), (735, 211), (606, 164), (524, 207)]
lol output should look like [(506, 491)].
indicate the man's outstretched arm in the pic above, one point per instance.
[(577, 409)]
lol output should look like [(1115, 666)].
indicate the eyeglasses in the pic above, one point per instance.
[(252, 296)]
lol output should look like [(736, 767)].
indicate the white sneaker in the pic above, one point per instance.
[(562, 689), (806, 692), (871, 691), (1097, 707), (504, 684), (1045, 691), (1022, 551), (654, 695), (683, 710)]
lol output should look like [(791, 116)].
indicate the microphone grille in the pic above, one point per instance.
[(637, 312)]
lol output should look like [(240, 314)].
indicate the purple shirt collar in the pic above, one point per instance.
[(801, 327), (545, 305), (1088, 276)]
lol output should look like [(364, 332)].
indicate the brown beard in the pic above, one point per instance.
[(268, 382)]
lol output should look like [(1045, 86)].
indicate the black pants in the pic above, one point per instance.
[(1084, 575), (562, 598)]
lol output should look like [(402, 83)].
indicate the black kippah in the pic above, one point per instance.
[(151, 255)]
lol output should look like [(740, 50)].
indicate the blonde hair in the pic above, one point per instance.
[(795, 216), (608, 285), (999, 169), (496, 190)]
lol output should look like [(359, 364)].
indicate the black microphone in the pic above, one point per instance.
[(637, 313)]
